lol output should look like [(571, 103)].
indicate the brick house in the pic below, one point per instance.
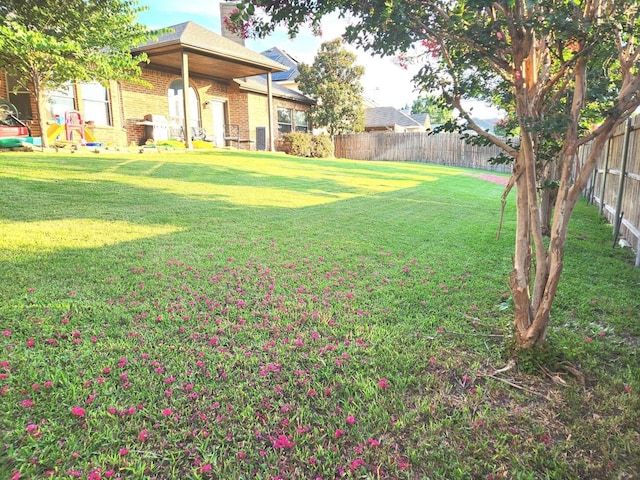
[(231, 99)]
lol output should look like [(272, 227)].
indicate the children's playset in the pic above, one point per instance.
[(13, 131), (70, 130)]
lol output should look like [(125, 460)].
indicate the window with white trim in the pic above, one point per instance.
[(176, 108), (60, 101), (302, 124), (95, 101), (284, 120)]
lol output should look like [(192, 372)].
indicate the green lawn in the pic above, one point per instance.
[(233, 315)]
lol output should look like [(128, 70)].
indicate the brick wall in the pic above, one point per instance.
[(293, 106), (129, 103), (139, 100), (4, 94), (4, 89), (258, 116), (239, 110)]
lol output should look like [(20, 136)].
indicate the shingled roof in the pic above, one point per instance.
[(381, 117), (282, 57), (258, 84), (210, 54)]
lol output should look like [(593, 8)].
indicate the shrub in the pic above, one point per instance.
[(306, 145), (321, 146), (297, 143)]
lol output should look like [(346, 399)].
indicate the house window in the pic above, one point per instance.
[(176, 108), (60, 101), (301, 121), (20, 98), (95, 99), (284, 120)]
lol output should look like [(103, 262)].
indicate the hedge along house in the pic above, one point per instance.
[(231, 98)]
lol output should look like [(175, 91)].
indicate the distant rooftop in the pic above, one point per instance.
[(282, 57), (379, 117), (421, 118)]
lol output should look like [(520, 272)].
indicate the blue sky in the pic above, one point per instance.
[(384, 82)]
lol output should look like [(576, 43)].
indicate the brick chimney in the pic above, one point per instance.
[(226, 8)]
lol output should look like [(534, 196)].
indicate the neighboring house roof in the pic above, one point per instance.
[(368, 102), (421, 118), (282, 57), (258, 84), (486, 123), (381, 117), (210, 54)]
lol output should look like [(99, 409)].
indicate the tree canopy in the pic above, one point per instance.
[(334, 81), (431, 105), (46, 44), (556, 65)]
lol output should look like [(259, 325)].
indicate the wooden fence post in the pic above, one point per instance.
[(623, 173), (604, 176)]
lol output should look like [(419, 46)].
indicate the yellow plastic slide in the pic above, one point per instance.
[(53, 131), (89, 136)]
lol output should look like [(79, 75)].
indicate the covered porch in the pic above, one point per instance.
[(194, 52)]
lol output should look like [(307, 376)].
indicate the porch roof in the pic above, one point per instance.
[(210, 54), (258, 84)]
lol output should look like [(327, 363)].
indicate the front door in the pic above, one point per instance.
[(217, 108)]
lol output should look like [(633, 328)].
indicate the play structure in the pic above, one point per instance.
[(69, 130), (73, 129), (12, 130)]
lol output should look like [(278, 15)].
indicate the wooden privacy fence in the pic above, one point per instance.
[(441, 148), (615, 184)]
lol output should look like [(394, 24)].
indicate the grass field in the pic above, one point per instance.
[(230, 315)]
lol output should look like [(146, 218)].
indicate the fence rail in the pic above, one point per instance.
[(615, 185), (442, 148)]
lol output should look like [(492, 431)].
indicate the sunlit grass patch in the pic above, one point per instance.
[(209, 182), (71, 233)]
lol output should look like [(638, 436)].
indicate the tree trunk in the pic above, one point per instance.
[(42, 122), (41, 106), (532, 313), (548, 194)]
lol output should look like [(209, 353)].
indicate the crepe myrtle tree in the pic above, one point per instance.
[(549, 140), (533, 56), (47, 44)]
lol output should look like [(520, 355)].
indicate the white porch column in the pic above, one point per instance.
[(272, 144), (185, 101)]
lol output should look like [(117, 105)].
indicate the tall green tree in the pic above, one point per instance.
[(433, 106), (532, 56), (334, 81), (46, 44)]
